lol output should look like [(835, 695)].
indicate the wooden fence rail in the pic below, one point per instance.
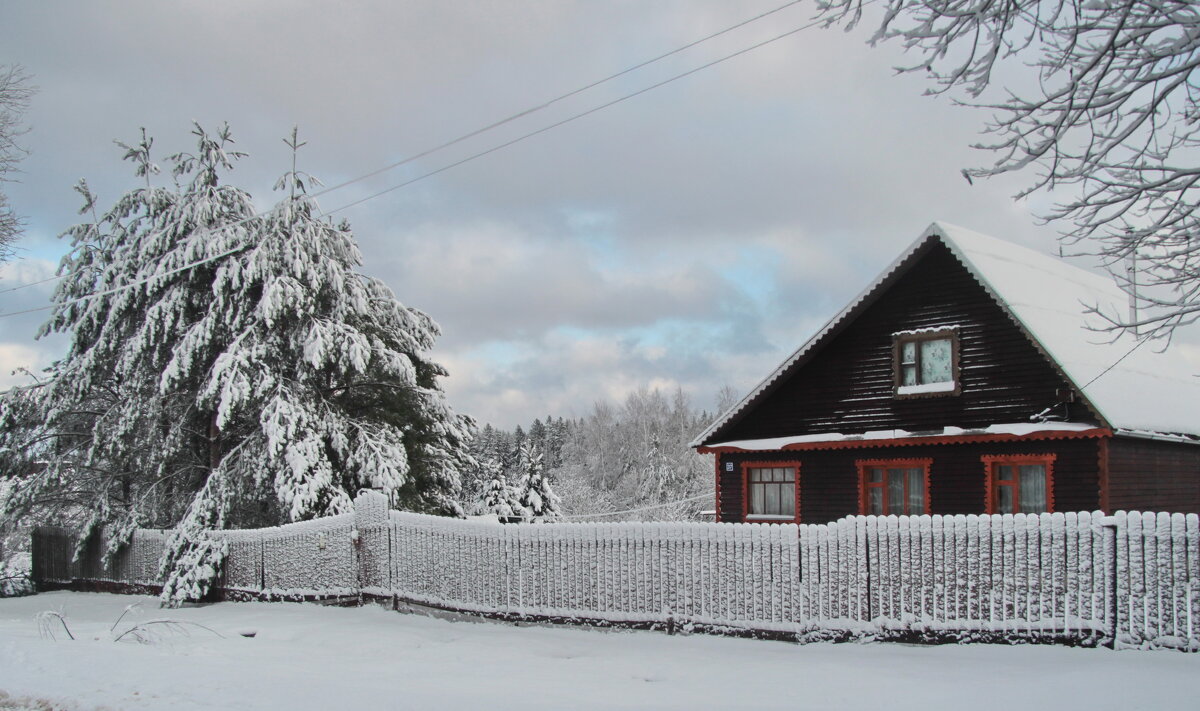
[(1130, 580)]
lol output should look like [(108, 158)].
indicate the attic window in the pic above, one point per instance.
[(925, 362)]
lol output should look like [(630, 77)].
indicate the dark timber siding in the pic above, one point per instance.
[(829, 478), (1148, 475), (847, 386)]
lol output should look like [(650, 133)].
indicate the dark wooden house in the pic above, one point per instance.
[(964, 380)]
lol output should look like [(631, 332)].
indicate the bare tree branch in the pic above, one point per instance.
[(15, 93), (1113, 124)]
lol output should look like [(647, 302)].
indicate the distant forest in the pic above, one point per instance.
[(633, 455)]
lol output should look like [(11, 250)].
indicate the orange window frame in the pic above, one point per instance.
[(865, 486), (990, 463), (768, 518)]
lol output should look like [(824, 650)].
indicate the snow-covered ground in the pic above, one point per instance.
[(312, 657)]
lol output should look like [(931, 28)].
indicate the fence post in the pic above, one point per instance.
[(370, 514), (36, 563), (1110, 539)]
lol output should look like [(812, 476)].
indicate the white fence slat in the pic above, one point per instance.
[(860, 570), (1179, 599), (1134, 608), (874, 568), (1179, 603), (961, 599), (938, 589), (904, 559), (1071, 572), (1192, 535), (845, 565), (1091, 572), (1165, 599)]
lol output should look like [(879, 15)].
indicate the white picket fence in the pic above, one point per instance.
[(1075, 576)]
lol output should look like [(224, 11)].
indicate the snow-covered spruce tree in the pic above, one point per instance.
[(268, 385), (537, 499), (108, 446), (499, 497)]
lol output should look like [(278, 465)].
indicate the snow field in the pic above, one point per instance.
[(312, 657)]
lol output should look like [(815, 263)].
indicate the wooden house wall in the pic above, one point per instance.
[(847, 387), (829, 478), (1150, 475)]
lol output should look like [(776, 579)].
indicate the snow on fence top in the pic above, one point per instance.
[(313, 527)]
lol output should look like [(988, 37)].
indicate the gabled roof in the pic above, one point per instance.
[(1132, 387)]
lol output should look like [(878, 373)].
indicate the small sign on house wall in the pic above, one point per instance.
[(728, 466)]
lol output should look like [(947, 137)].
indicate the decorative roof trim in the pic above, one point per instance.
[(1158, 436), (864, 443)]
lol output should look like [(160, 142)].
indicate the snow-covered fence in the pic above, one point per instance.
[(1078, 576), (1027, 575), (54, 559), (312, 558), (740, 575)]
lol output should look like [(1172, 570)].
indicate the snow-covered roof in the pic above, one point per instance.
[(1138, 389)]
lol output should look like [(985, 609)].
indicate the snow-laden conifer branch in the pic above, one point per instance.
[(267, 384)]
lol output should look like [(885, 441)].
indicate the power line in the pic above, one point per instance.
[(478, 131), (1115, 363), (190, 265), (1041, 416), (137, 283), (580, 115), (474, 156), (555, 100), (32, 283)]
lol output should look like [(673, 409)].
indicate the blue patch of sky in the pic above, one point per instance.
[(49, 250), (755, 272), (502, 354), (678, 338), (594, 230)]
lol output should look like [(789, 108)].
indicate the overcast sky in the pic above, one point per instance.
[(691, 236)]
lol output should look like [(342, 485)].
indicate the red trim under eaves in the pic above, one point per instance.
[(1098, 432)]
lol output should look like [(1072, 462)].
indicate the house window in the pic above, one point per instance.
[(897, 487), (926, 362), (771, 491), (1020, 483)]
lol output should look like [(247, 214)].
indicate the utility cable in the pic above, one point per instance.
[(480, 154), (555, 100), (1116, 362), (580, 115), (466, 136), (32, 283), (1042, 416), (131, 285)]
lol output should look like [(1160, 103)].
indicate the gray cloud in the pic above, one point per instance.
[(691, 236)]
